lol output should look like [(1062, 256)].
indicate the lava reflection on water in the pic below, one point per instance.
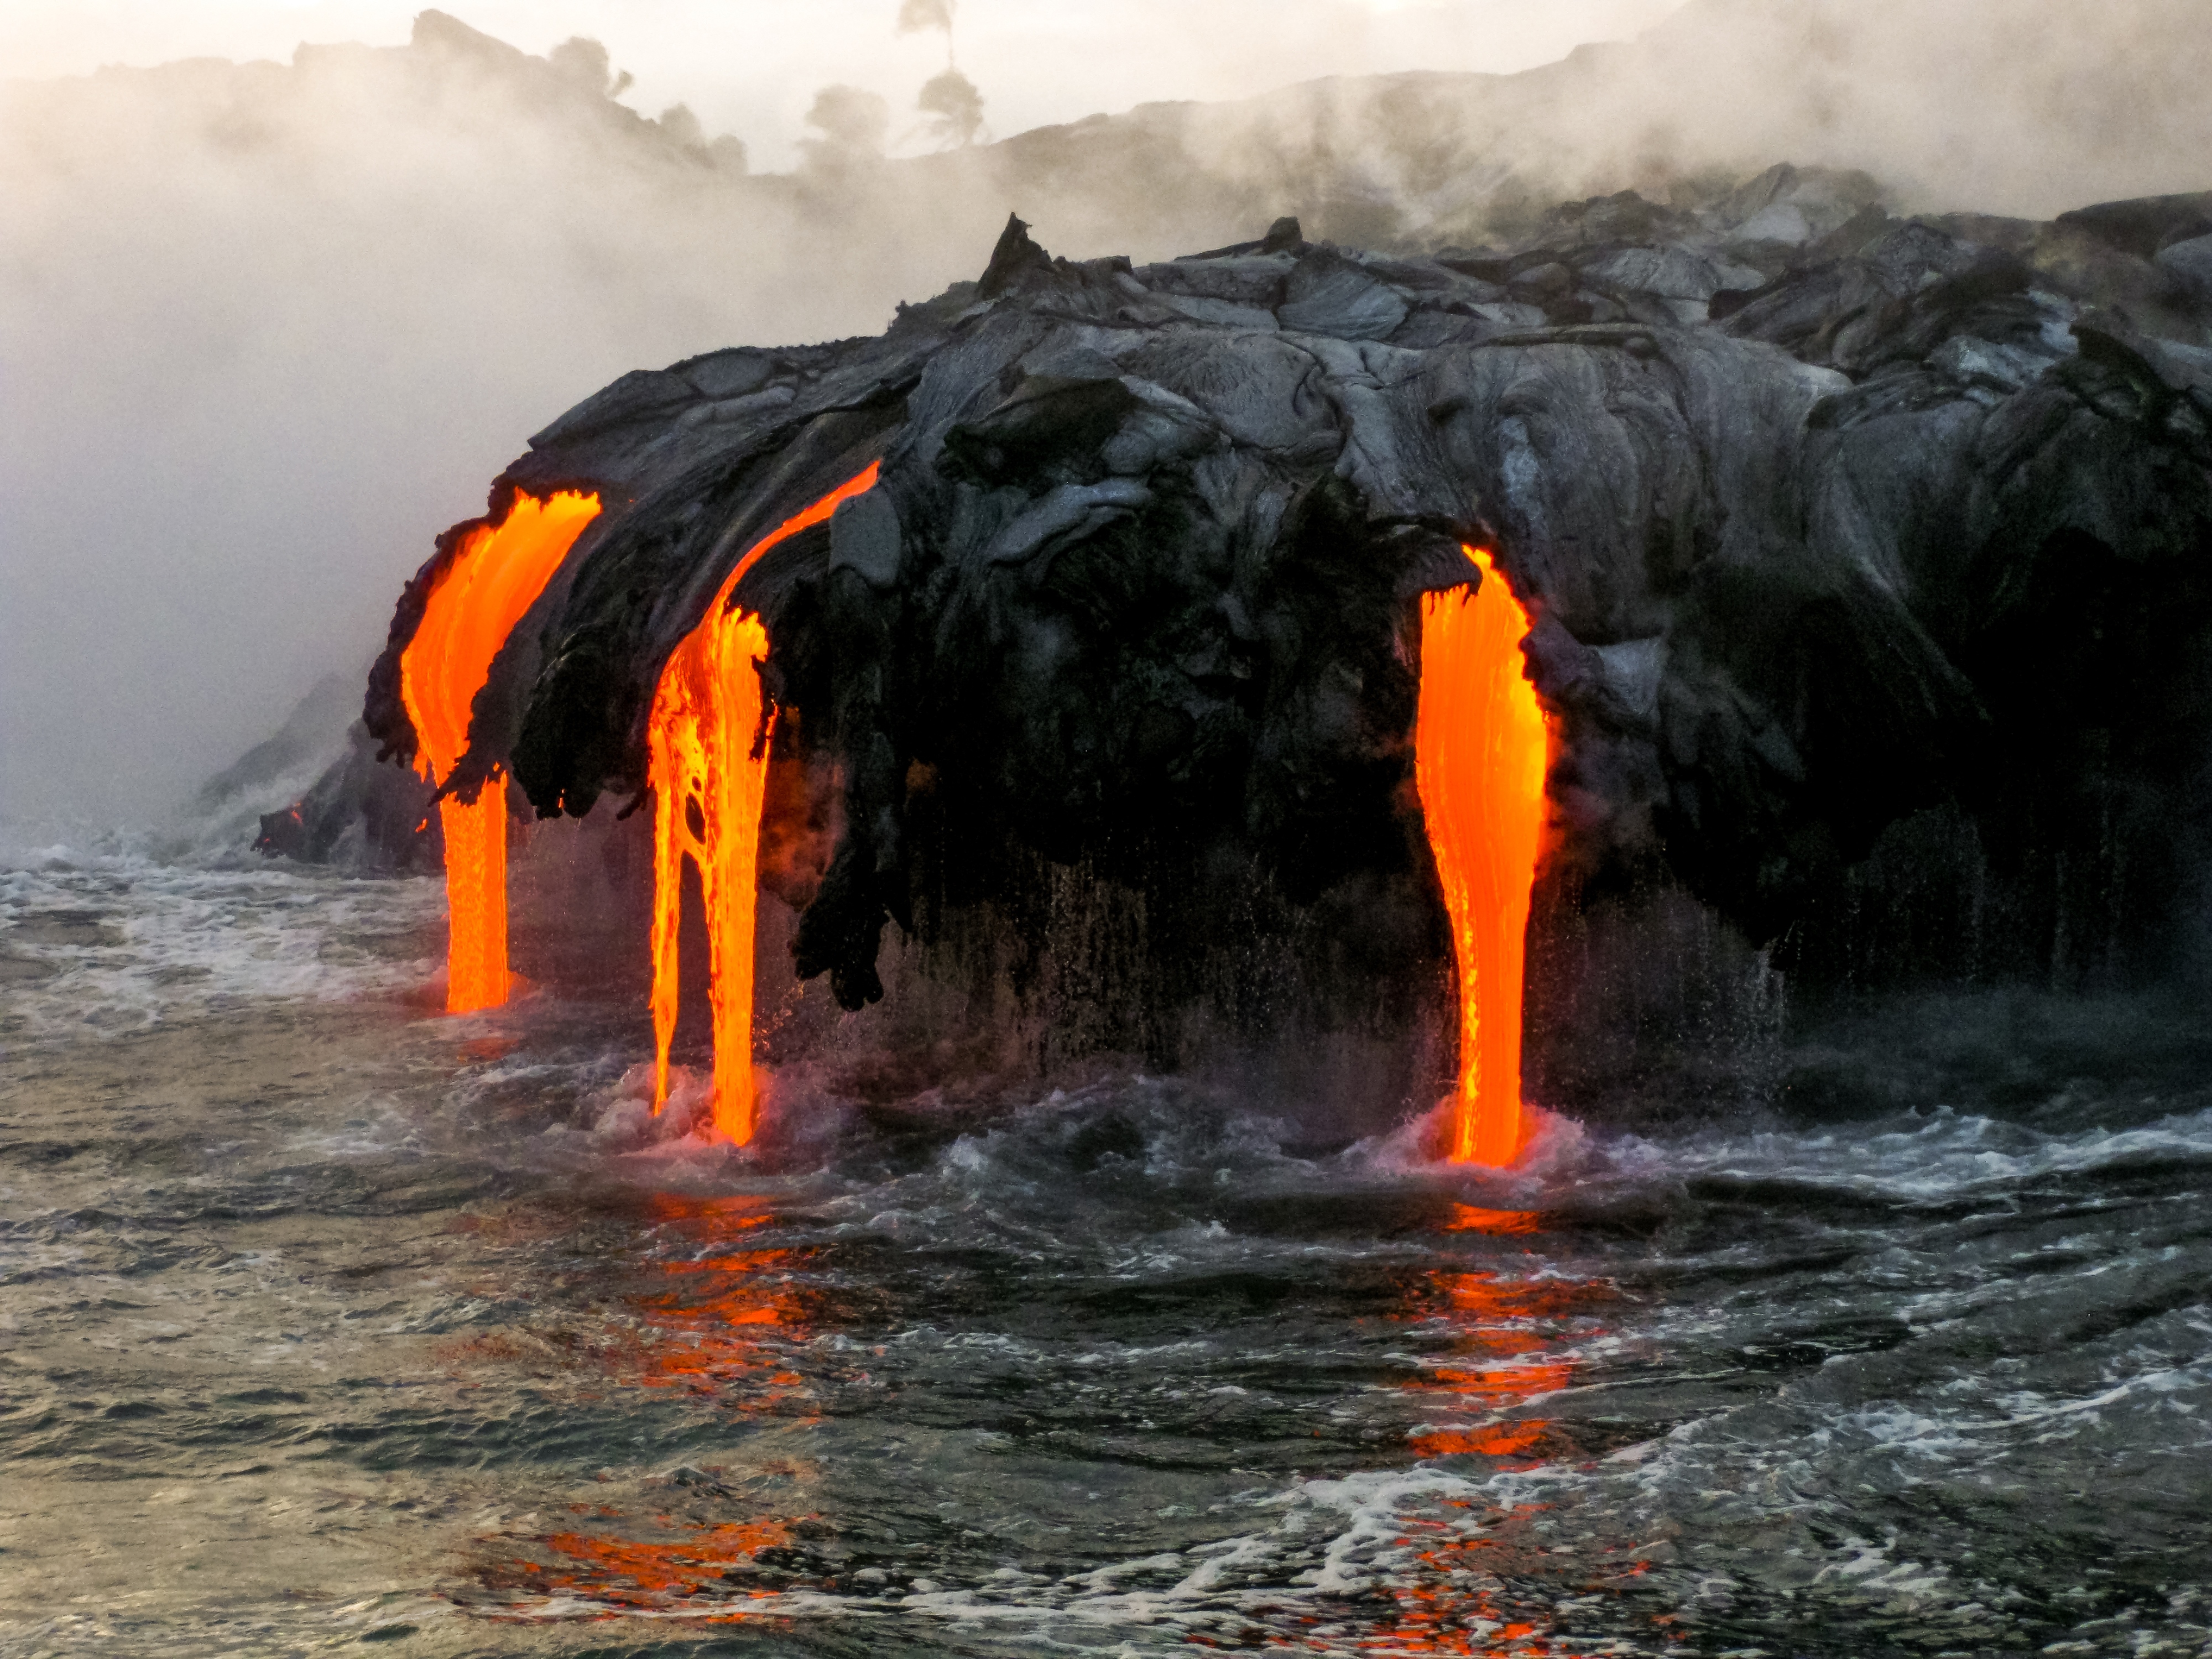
[(700, 1314), (612, 1576), (1500, 1324), (1470, 1219), (1508, 1323), (708, 759), (493, 576), (1481, 749), (1467, 1572), (718, 1315)]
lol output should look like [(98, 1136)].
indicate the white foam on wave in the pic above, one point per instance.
[(1934, 1157), (1414, 1559), (1372, 1563), (100, 942), (1557, 1152)]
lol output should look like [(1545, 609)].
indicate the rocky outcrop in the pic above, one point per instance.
[(1871, 561), (362, 812), (315, 793)]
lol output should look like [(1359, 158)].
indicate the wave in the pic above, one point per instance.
[(109, 938)]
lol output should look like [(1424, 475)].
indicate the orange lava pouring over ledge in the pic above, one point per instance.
[(1481, 749), (494, 576), (709, 744)]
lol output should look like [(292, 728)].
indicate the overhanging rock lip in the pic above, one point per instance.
[(1628, 501)]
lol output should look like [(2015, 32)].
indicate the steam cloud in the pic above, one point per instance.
[(916, 15), (265, 329)]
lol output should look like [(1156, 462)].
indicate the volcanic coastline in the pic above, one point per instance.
[(1867, 560)]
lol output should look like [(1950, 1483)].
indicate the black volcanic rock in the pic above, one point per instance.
[(1875, 613), (369, 814)]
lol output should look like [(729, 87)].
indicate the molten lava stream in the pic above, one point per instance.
[(1481, 749), (494, 576), (708, 754)]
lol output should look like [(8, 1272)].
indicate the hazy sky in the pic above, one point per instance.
[(265, 333), (247, 373), (750, 67)]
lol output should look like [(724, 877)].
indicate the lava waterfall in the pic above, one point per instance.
[(709, 740), (1481, 750), (474, 593), (1297, 661)]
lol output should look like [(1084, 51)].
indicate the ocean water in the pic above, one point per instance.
[(327, 1321)]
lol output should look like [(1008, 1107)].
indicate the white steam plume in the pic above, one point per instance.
[(265, 330)]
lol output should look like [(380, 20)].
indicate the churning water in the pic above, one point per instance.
[(326, 1321)]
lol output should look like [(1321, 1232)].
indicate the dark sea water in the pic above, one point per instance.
[(327, 1323)]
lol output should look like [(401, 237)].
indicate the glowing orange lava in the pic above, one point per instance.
[(494, 576), (709, 739), (1481, 749)]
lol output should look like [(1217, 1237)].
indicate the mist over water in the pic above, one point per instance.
[(265, 329)]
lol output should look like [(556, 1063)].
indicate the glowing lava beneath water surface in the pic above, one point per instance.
[(1481, 749), (494, 576), (709, 744)]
